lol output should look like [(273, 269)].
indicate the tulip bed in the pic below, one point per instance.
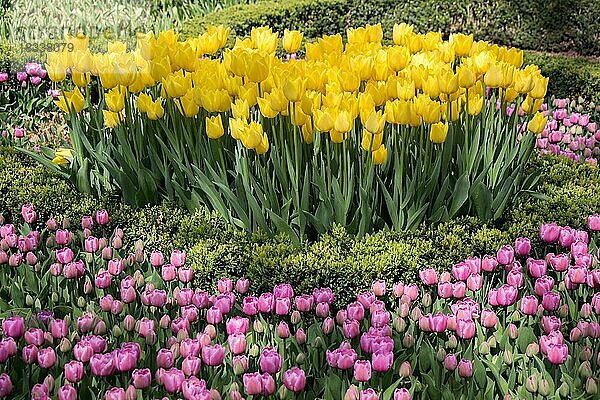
[(84, 319)]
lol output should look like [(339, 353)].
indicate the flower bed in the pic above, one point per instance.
[(86, 318)]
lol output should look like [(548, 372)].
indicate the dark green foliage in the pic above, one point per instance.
[(338, 259), (569, 76), (551, 25)]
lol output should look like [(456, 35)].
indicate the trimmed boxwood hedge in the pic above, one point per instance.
[(337, 259), (552, 26)]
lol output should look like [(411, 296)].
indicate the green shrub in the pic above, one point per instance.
[(569, 76), (546, 26), (338, 259)]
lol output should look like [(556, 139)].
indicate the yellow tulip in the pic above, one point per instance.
[(537, 123), (252, 136), (214, 127), (160, 68), (531, 105), (264, 39), (375, 122), (448, 82), (337, 137), (263, 146), (265, 107), (462, 43), (83, 61), (256, 67), (72, 100), (176, 85), (438, 132), (398, 57), (431, 111), (307, 133), (343, 121), (145, 42), (402, 33), (379, 155), (240, 109), (186, 105), (79, 78), (117, 47), (125, 71), (510, 95), (539, 88), (475, 104), (115, 99), (249, 93), (143, 102), (57, 71), (237, 127), (156, 110), (371, 141), (292, 40), (324, 120), (293, 89), (523, 82), (111, 119), (62, 152), (310, 101), (493, 76), (466, 77), (79, 42)]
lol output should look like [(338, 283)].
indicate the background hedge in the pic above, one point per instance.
[(548, 26), (337, 259)]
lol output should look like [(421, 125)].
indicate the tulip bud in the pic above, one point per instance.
[(171, 341), (399, 324), (586, 310), (328, 326), (508, 357), (151, 338), (116, 331), (50, 242), (484, 348), (563, 311), (516, 316), (544, 387), (54, 297), (452, 342), (129, 323), (590, 386), (586, 353), (513, 331), (117, 242), (107, 253), (300, 358), (318, 342), (211, 331), (564, 390), (585, 369), (29, 300), (254, 350), (352, 393), (258, 326), (165, 321), (300, 336), (415, 314), (405, 370), (182, 335), (441, 354), (65, 345), (408, 340), (100, 328), (282, 392), (81, 302), (426, 300), (49, 382), (87, 287), (295, 317), (532, 349), (130, 393), (492, 342), (531, 384)]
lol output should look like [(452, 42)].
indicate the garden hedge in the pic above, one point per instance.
[(572, 26), (552, 26), (337, 259)]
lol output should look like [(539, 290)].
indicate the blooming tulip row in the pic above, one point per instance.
[(344, 135), (570, 134), (85, 319)]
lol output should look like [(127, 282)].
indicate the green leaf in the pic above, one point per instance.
[(460, 194)]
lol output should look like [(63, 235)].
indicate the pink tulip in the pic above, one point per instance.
[(191, 365), (465, 328), (242, 285), (522, 246), (102, 364), (172, 379), (450, 362), (29, 354), (141, 378), (213, 355), (102, 217), (549, 233), (382, 360), (6, 385), (46, 357), (270, 361), (551, 323), (557, 353), (488, 318), (401, 394), (438, 322), (537, 268), (157, 259), (13, 326), (506, 255), (461, 271), (551, 301), (465, 368), (294, 379), (250, 306), (74, 371), (378, 288), (362, 370), (178, 258), (428, 276), (368, 394), (67, 392)]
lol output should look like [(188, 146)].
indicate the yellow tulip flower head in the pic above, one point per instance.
[(156, 110), (292, 40), (375, 122), (371, 141), (537, 123), (438, 132), (380, 155), (71, 101), (214, 127), (403, 33), (111, 119), (462, 43), (115, 99)]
